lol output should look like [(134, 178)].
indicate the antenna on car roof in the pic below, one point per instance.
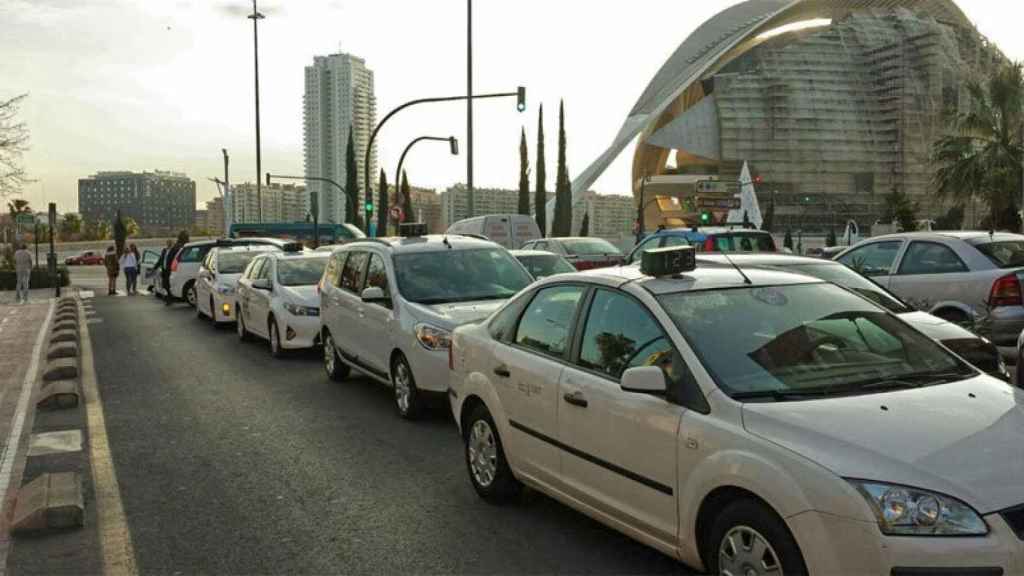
[(746, 280)]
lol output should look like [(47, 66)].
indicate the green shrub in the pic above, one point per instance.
[(40, 278)]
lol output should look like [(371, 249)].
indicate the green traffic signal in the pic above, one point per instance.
[(705, 217)]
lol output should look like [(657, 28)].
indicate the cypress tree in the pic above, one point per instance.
[(382, 205), (585, 225), (524, 176), (540, 197), (562, 225), (351, 181), (407, 199)]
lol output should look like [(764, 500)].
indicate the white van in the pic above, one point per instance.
[(508, 230)]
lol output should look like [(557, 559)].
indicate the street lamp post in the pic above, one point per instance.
[(256, 16), (520, 95), (452, 143), (469, 105)]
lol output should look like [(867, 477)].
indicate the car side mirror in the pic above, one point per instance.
[(374, 295), (644, 380), (261, 284)]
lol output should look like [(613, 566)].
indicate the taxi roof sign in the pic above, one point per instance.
[(668, 261), (412, 229)]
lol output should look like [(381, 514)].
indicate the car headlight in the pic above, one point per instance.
[(222, 289), (299, 310), (903, 511), (432, 337)]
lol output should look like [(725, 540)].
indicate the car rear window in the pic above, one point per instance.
[(733, 242), (1004, 254), (194, 253), (589, 246)]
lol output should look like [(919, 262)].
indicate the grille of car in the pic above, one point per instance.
[(1015, 518)]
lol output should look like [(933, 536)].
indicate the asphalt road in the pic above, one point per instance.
[(232, 462)]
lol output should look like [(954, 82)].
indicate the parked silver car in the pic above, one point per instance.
[(963, 277)]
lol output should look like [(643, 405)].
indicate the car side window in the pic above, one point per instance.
[(874, 259), (503, 326), (377, 274), (620, 333), (352, 273), (253, 269), (547, 322), (334, 264), (930, 258), (648, 244), (266, 270), (673, 241)]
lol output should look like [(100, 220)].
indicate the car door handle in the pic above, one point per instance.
[(502, 371), (576, 399)]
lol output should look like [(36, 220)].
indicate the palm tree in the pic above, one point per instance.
[(982, 157)]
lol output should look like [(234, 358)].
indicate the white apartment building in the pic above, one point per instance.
[(281, 203), (455, 203), (339, 96)]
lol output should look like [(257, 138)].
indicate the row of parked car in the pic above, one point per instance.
[(745, 411)]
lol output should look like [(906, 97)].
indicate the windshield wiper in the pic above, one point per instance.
[(911, 380), (783, 394)]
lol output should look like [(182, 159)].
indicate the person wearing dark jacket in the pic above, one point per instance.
[(166, 259)]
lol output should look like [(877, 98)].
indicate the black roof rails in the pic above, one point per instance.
[(470, 235)]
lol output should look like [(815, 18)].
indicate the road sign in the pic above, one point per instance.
[(25, 218), (717, 203)]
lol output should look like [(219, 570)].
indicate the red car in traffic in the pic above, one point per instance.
[(86, 258)]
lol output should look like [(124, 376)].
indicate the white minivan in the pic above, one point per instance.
[(508, 230)]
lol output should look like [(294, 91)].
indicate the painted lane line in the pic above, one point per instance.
[(115, 539), (31, 375)]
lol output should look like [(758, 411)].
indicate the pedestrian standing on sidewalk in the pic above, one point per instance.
[(23, 271), (130, 265), (113, 269)]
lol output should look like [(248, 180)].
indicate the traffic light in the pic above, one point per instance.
[(369, 206), (521, 99), (705, 217), (453, 143)]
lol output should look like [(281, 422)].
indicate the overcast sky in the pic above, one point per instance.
[(165, 84)]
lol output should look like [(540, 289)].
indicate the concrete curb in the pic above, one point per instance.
[(62, 350), (61, 369), (51, 501), (58, 336), (58, 395), (66, 325)]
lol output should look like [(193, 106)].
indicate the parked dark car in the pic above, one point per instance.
[(582, 253)]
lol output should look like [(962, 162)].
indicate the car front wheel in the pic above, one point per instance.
[(243, 332), (748, 538), (335, 368), (275, 339), (408, 400), (190, 294), (485, 459)]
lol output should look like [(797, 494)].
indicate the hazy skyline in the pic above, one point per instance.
[(144, 85)]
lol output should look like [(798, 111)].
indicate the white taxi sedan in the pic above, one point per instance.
[(278, 300), (218, 279), (755, 422)]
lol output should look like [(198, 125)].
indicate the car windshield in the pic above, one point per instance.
[(300, 272), (544, 265), (234, 262), (739, 242), (579, 246), (847, 278), (805, 341), (459, 275), (1004, 254)]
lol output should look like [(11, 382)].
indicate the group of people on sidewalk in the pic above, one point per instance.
[(129, 263)]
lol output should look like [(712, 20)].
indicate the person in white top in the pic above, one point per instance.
[(23, 269), (130, 264)]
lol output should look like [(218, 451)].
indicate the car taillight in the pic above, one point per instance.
[(451, 356), (709, 244), (1005, 292), (174, 264)]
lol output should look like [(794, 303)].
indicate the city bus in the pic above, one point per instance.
[(299, 231)]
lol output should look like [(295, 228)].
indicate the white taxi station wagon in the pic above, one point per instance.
[(744, 421)]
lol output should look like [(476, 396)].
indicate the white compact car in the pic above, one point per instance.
[(388, 307), (754, 422), (278, 299), (218, 277)]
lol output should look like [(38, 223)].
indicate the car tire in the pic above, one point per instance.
[(333, 365), (740, 530), (274, 338), (954, 316), (190, 293), (213, 313), (486, 465), (243, 332), (1020, 369), (408, 399)]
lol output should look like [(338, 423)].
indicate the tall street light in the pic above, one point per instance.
[(469, 105), (519, 94), (256, 17), (453, 145)]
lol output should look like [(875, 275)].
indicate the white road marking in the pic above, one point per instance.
[(19, 415), (60, 442), (86, 293)]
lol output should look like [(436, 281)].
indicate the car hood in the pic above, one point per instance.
[(936, 328), (450, 316), (964, 439), (302, 295)]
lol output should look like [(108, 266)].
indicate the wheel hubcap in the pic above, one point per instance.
[(329, 354), (483, 453), (745, 552), (403, 389), (191, 295)]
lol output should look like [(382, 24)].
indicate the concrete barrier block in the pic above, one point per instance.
[(61, 369), (59, 336), (51, 501), (66, 324), (58, 395), (66, 315), (62, 310), (62, 350)]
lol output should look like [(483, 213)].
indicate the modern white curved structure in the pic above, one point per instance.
[(830, 100)]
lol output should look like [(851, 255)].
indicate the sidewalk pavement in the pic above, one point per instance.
[(10, 297)]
